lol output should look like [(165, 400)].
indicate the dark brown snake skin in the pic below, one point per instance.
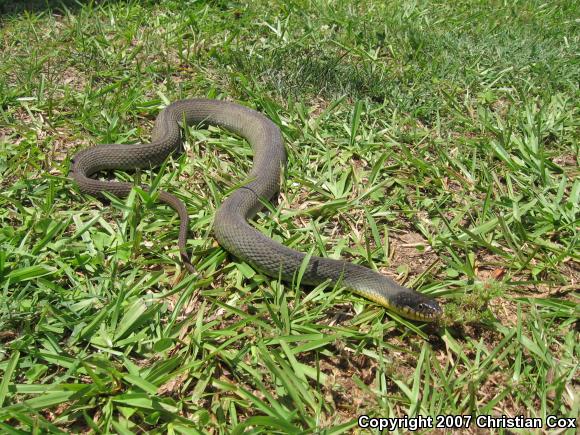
[(231, 227)]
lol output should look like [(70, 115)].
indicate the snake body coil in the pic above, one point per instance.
[(230, 226)]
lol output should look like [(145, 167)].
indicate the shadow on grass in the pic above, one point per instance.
[(14, 7)]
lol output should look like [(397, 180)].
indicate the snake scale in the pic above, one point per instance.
[(231, 227)]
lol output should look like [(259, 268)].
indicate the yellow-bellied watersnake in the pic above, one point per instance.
[(231, 228)]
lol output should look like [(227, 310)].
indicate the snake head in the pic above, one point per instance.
[(429, 309), (416, 306)]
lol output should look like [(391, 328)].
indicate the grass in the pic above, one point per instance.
[(436, 142)]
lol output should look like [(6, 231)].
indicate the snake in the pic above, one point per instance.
[(231, 226)]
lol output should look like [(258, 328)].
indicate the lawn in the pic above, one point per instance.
[(433, 141)]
